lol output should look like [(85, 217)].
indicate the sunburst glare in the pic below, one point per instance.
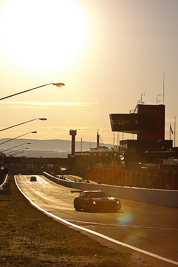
[(43, 35)]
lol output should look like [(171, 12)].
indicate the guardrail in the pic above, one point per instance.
[(160, 197)]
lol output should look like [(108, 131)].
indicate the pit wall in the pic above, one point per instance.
[(168, 198)]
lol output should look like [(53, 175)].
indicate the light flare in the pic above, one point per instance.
[(135, 238), (42, 35), (125, 219)]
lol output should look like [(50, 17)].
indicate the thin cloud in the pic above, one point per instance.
[(36, 104)]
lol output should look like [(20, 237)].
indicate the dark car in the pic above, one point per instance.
[(33, 179), (96, 201)]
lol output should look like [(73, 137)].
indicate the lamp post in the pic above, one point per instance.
[(41, 119), (57, 84), (17, 152), (15, 147), (16, 137)]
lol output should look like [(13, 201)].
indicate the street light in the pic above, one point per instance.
[(17, 152), (41, 119), (16, 137), (15, 147), (57, 84)]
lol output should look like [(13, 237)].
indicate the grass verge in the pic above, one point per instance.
[(30, 238)]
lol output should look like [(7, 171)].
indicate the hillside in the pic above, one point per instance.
[(44, 148)]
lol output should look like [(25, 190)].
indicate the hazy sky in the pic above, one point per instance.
[(107, 52)]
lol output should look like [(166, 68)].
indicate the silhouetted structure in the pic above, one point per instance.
[(149, 125)]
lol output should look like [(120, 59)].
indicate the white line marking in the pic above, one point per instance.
[(4, 181), (120, 225), (96, 233)]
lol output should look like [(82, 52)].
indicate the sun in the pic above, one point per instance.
[(42, 35)]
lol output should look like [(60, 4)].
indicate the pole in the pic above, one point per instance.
[(42, 119), (163, 88), (113, 138), (174, 131), (81, 144), (15, 147), (16, 137), (170, 131), (98, 140), (118, 139)]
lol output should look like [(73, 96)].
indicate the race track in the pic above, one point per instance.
[(151, 228)]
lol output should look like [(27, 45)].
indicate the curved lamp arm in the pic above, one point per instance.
[(57, 84), (16, 137), (41, 119)]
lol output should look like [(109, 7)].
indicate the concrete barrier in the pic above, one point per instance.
[(160, 197)]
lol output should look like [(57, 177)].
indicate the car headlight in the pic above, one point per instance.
[(94, 202)]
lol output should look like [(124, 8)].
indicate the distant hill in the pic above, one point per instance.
[(45, 148)]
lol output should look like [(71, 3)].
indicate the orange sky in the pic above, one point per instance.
[(107, 52)]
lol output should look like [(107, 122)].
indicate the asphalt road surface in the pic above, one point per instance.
[(151, 228)]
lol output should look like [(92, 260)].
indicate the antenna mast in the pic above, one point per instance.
[(163, 88)]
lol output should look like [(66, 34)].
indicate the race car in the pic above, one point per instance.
[(96, 201)]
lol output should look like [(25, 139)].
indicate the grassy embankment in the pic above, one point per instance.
[(30, 238)]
